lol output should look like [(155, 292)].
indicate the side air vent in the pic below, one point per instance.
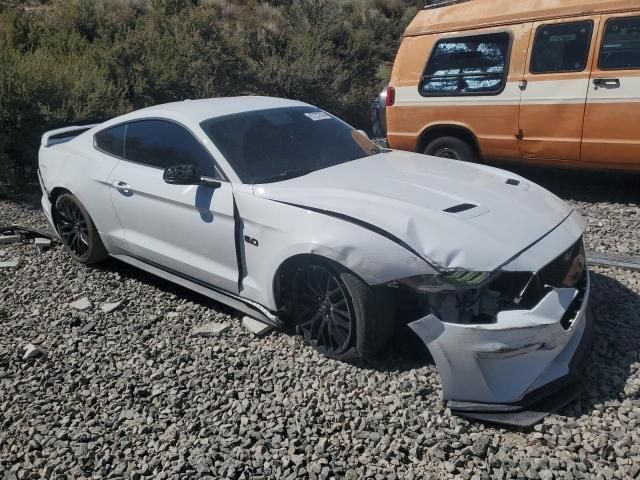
[(513, 182), (463, 207)]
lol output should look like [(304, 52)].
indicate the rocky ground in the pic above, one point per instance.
[(135, 395)]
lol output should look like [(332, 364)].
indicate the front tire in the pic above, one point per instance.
[(338, 314), (78, 232), (452, 148)]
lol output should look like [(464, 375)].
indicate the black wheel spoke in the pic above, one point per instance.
[(321, 309), (341, 313), (340, 303), (73, 227)]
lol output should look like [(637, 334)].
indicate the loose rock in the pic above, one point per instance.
[(255, 326), (110, 307), (210, 329), (10, 264), (42, 244), (82, 305), (86, 328), (33, 351)]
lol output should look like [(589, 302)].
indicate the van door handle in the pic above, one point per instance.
[(606, 82)]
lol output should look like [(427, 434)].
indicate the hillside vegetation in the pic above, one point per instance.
[(75, 61)]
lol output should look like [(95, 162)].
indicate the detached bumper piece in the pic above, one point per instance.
[(26, 233), (538, 404)]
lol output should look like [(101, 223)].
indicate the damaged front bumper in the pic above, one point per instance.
[(519, 368)]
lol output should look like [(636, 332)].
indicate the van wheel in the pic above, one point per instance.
[(452, 148), (338, 314)]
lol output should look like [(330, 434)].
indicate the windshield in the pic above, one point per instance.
[(267, 146)]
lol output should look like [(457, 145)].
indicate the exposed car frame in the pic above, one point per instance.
[(488, 269)]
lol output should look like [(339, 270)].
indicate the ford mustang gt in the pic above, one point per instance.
[(293, 217)]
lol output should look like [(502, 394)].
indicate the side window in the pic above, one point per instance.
[(468, 65), (111, 141), (160, 143), (621, 44), (563, 47)]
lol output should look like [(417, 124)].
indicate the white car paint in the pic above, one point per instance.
[(528, 347), (382, 217)]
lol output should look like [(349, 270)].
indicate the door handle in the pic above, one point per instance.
[(606, 82), (122, 186)]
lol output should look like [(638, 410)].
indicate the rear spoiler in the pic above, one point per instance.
[(61, 135)]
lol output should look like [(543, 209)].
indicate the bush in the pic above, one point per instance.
[(78, 61)]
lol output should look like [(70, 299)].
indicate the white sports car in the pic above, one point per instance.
[(288, 214)]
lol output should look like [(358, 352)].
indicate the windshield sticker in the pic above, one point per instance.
[(316, 116)]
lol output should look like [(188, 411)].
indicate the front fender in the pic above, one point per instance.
[(283, 231)]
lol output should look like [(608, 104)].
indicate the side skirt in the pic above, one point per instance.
[(248, 307)]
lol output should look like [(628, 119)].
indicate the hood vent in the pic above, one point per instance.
[(463, 207), (519, 184)]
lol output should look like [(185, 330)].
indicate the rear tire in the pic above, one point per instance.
[(452, 148), (338, 314), (78, 232)]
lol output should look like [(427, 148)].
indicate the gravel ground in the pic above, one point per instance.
[(138, 396)]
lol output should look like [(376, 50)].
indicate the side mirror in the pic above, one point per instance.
[(187, 175), (181, 175)]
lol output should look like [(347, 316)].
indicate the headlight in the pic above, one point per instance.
[(450, 281)]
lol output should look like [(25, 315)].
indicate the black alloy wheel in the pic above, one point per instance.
[(73, 227), (322, 309), (77, 230)]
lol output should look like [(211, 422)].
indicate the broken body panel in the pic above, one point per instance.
[(409, 222)]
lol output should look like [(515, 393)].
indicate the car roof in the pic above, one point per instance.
[(196, 111), (471, 14)]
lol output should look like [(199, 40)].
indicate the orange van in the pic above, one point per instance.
[(553, 82)]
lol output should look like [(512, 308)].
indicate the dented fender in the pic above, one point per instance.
[(286, 231)]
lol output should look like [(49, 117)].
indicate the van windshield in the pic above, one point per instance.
[(271, 145)]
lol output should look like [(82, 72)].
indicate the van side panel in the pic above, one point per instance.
[(492, 119), (612, 118), (485, 13), (553, 104)]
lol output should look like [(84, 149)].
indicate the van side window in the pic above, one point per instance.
[(563, 47), (474, 65), (621, 44)]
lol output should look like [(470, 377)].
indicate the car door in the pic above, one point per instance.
[(611, 132), (188, 230), (108, 148), (555, 89)]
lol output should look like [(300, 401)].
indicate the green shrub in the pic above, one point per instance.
[(75, 61)]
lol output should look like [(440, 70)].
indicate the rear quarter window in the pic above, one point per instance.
[(111, 141)]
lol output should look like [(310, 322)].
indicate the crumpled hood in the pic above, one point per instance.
[(493, 215)]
